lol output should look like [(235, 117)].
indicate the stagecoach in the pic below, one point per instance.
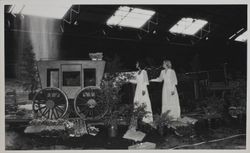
[(70, 86)]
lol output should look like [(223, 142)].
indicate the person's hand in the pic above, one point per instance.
[(143, 92), (172, 93)]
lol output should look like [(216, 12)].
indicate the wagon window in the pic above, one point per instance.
[(71, 78), (53, 78), (89, 77)]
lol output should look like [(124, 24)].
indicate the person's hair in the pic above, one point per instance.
[(168, 63), (142, 64)]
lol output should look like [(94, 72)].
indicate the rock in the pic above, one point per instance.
[(10, 139), (144, 145)]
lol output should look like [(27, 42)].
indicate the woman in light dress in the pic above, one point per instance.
[(170, 98), (141, 92)]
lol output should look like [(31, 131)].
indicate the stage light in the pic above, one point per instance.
[(242, 37), (188, 26), (130, 17), (45, 10)]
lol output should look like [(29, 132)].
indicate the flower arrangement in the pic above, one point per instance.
[(96, 56), (49, 122), (236, 111)]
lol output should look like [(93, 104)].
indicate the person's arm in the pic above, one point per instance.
[(133, 80), (145, 77), (173, 80), (145, 81), (159, 79)]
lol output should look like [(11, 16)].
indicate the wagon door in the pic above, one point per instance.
[(71, 79)]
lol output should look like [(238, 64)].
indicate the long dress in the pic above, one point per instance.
[(170, 102), (142, 82)]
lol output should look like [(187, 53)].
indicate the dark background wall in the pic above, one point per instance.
[(212, 53)]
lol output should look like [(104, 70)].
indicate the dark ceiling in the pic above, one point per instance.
[(92, 34), (224, 21)]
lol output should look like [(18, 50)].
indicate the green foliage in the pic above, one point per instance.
[(213, 107), (112, 119), (237, 99), (111, 85), (185, 131), (139, 110), (28, 70), (163, 120)]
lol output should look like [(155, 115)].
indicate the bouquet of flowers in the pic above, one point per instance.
[(123, 78), (96, 56)]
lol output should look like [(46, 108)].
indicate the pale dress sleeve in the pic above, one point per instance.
[(160, 78), (173, 80), (145, 77)]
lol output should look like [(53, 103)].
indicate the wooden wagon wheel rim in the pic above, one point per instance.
[(51, 105), (85, 106)]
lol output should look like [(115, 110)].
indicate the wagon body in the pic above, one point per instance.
[(70, 75)]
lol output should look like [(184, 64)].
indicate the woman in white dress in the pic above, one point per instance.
[(141, 92), (170, 98)]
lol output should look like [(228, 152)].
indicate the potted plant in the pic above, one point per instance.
[(162, 121), (112, 98), (111, 85), (112, 122), (137, 114)]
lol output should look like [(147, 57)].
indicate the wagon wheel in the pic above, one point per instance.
[(51, 103), (90, 104)]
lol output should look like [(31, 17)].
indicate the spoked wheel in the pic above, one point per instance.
[(89, 103), (51, 103)]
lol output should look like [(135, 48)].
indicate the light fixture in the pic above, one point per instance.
[(130, 17), (50, 11), (188, 26), (242, 37)]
